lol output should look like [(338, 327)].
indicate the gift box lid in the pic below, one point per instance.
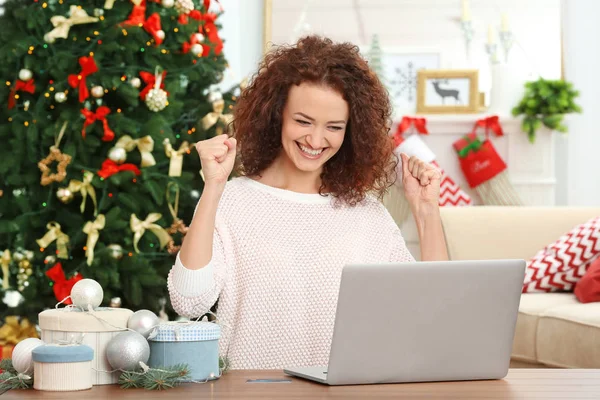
[(62, 353), (185, 331), (106, 319)]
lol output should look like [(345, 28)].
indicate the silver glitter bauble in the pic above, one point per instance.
[(115, 251), (197, 50), (18, 256), (97, 91), (194, 194), (156, 99), (98, 12), (115, 302), (167, 3), (214, 96), (87, 292), (126, 350), (25, 74), (143, 322), (135, 82), (199, 37), (29, 254), (60, 97), (117, 154), (50, 260), (64, 195), (184, 6)]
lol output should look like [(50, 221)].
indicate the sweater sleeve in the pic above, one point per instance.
[(194, 292), (400, 252)]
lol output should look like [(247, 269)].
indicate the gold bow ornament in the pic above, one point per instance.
[(216, 115), (176, 163), (139, 227), (145, 145), (5, 260), (62, 25), (92, 229), (85, 187), (54, 233), (13, 331)]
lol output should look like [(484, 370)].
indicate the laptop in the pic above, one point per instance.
[(422, 322)]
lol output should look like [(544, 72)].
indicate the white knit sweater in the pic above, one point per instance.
[(276, 269)]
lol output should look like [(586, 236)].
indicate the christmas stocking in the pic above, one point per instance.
[(484, 169), (450, 193)]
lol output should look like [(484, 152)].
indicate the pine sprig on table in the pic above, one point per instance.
[(11, 379), (155, 378)]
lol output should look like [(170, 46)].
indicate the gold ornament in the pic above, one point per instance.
[(92, 229), (13, 331), (62, 25), (156, 98), (115, 251), (5, 261), (216, 115), (115, 302), (55, 155), (184, 6), (178, 225), (176, 164), (54, 233), (64, 195), (85, 187), (144, 144), (97, 91), (25, 272), (139, 227), (117, 154)]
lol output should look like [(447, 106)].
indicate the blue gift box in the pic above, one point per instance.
[(187, 342)]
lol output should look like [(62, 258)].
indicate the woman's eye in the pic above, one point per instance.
[(302, 122), (336, 128)]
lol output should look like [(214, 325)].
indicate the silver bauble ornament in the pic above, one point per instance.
[(197, 49), (13, 298), (194, 194), (25, 74), (87, 292), (29, 254), (135, 82), (60, 97), (18, 256), (167, 3), (115, 251), (97, 91), (115, 302), (199, 37), (214, 96), (117, 154), (184, 6), (64, 195), (156, 99), (143, 322), (98, 12), (50, 260), (126, 350), (160, 34)]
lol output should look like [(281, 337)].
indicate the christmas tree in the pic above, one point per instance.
[(102, 103), (374, 57)]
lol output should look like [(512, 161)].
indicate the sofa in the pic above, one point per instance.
[(554, 330)]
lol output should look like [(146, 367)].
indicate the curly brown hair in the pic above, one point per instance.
[(365, 161)]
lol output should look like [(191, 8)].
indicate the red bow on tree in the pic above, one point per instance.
[(24, 86), (88, 67), (489, 123), (62, 286), (99, 115), (151, 25), (420, 125), (109, 168), (150, 79), (209, 29)]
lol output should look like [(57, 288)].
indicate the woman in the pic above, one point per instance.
[(270, 244)]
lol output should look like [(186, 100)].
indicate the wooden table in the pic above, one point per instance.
[(519, 384)]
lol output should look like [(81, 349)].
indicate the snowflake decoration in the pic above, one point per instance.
[(404, 82)]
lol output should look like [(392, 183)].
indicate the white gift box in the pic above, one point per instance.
[(70, 324)]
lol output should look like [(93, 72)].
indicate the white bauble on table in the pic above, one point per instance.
[(87, 292), (21, 355)]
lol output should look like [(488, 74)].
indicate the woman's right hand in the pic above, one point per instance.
[(217, 156)]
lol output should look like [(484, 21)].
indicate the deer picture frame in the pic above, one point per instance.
[(448, 91)]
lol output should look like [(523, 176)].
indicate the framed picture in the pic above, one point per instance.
[(399, 68), (448, 91)]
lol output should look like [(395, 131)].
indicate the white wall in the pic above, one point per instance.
[(579, 167)]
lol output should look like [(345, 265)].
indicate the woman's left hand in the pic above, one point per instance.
[(421, 182)]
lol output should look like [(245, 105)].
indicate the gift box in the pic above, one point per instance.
[(62, 368), (193, 343), (71, 324)]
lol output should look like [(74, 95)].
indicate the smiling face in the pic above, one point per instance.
[(314, 124)]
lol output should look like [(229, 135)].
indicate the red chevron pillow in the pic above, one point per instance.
[(560, 265)]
